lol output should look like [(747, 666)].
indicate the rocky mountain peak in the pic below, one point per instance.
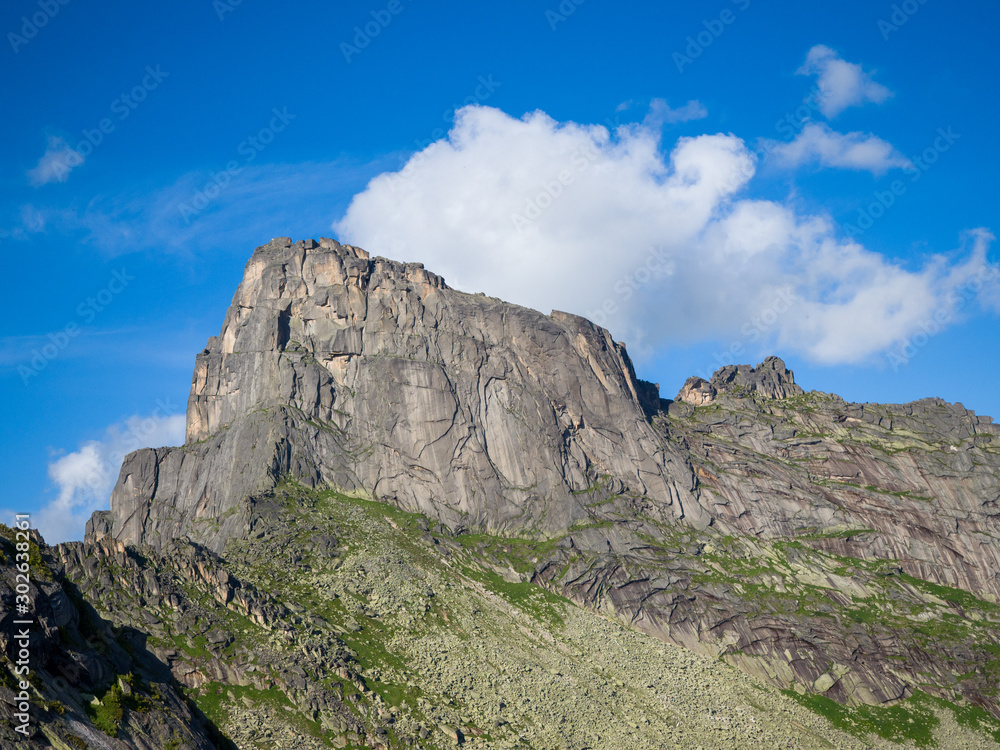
[(335, 368), (302, 298), (770, 379)]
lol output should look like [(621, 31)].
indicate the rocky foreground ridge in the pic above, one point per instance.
[(846, 553), (74, 657)]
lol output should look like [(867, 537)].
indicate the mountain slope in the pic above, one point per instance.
[(842, 551), (850, 553), (381, 629)]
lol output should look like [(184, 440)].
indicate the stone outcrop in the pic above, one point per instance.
[(770, 379)]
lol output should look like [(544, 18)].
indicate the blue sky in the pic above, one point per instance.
[(714, 182)]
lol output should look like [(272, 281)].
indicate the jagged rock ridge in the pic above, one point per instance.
[(87, 679), (771, 379)]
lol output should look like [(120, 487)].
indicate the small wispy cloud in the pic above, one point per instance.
[(660, 112), (817, 143), (24, 222), (266, 200), (32, 219), (841, 84), (55, 164)]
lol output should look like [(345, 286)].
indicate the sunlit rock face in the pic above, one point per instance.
[(375, 376), (770, 379)]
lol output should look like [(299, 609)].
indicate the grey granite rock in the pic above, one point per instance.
[(376, 377), (771, 379)]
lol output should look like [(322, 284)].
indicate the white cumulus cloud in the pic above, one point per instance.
[(841, 84), (654, 242), (85, 477), (817, 143), (55, 164)]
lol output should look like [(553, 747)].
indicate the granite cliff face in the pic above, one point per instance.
[(374, 376), (835, 549)]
